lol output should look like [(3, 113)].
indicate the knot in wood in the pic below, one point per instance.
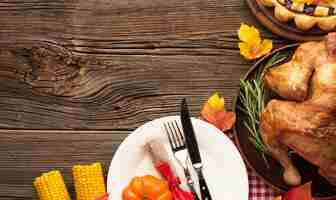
[(53, 72)]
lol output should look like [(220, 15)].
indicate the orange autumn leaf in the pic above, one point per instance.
[(251, 45), (214, 113), (302, 192)]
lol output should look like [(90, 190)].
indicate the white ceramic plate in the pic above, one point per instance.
[(224, 168)]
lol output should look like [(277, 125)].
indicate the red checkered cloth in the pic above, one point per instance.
[(258, 189)]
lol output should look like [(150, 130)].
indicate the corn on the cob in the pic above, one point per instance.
[(51, 186), (89, 181)]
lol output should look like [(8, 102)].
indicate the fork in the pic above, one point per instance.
[(178, 146)]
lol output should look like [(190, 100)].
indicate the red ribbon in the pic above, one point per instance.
[(173, 182)]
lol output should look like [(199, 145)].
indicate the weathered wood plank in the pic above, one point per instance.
[(122, 92), (125, 24), (149, 54), (24, 155)]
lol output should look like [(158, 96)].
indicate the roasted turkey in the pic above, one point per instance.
[(303, 118)]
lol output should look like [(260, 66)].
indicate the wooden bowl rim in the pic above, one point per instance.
[(282, 28), (235, 101)]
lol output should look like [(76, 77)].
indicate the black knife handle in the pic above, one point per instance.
[(190, 183), (203, 186)]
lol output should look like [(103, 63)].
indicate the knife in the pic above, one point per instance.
[(191, 184), (193, 149)]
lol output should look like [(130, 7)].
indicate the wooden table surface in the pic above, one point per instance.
[(78, 76)]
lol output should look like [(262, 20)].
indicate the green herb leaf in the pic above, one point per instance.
[(252, 100)]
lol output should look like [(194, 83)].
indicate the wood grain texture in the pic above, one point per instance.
[(30, 153), (77, 76), (123, 93)]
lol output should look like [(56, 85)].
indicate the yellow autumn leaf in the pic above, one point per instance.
[(266, 46), (248, 34), (251, 45), (216, 101), (245, 50)]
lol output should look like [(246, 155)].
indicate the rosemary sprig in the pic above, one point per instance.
[(252, 100)]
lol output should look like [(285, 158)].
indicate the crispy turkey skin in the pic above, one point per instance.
[(305, 118)]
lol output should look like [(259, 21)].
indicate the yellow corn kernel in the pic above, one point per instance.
[(89, 181), (51, 186)]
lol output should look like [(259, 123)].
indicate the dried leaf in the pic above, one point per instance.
[(249, 34), (214, 112), (251, 45), (216, 102)]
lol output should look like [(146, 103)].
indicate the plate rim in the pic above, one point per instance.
[(240, 157), (236, 139)]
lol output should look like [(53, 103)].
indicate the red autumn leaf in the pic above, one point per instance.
[(302, 192)]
